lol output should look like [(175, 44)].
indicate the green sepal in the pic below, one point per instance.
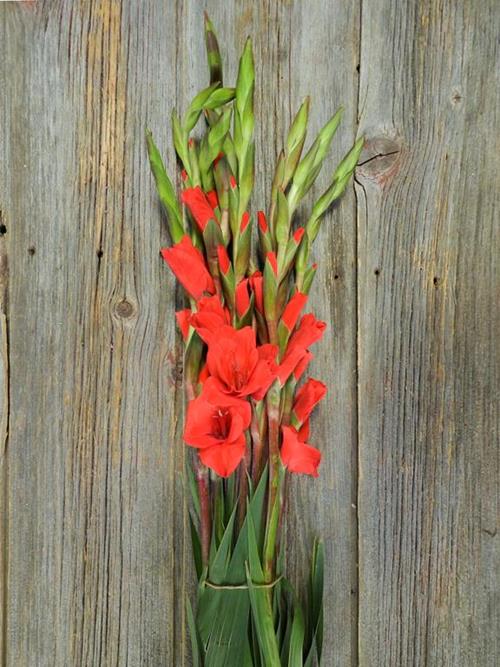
[(180, 137), (308, 278), (270, 289), (310, 166), (213, 52), (228, 285), (246, 319), (243, 249), (193, 163), (282, 221), (211, 146), (212, 97), (295, 142), (166, 190)]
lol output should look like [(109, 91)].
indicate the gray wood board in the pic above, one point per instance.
[(95, 551), (428, 352)]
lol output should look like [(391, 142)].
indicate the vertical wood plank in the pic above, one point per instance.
[(428, 363), (92, 494)]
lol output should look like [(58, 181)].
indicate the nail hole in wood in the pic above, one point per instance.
[(435, 281), (377, 272), (31, 250), (336, 277), (99, 253), (3, 230)]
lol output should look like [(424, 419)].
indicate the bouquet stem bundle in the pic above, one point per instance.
[(246, 347)]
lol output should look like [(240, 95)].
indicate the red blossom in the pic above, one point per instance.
[(298, 234), (271, 258), (242, 298), (238, 366), (188, 265), (198, 205), (261, 219), (298, 456), (257, 285), (308, 332), (215, 425), (299, 369), (232, 182), (213, 199), (306, 399), (245, 219), (183, 318), (209, 318), (224, 261), (293, 310)]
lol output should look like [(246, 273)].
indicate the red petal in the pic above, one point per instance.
[(212, 198), (183, 317), (188, 265), (261, 219), (200, 209), (298, 234), (257, 285), (245, 219), (308, 396), (293, 310), (224, 459), (298, 456), (271, 258), (224, 261), (242, 299)]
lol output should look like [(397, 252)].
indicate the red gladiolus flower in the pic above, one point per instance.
[(183, 317), (245, 219), (224, 261), (271, 258), (257, 285), (232, 182), (308, 332), (261, 219), (306, 399), (215, 425), (209, 318), (300, 368), (212, 199), (238, 366), (188, 265), (242, 298), (298, 456), (298, 234), (293, 309), (198, 205)]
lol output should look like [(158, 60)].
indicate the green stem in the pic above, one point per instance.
[(274, 500)]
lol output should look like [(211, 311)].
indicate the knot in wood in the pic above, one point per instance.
[(380, 159), (124, 309)]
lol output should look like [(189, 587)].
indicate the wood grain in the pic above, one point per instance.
[(428, 354), (95, 555)]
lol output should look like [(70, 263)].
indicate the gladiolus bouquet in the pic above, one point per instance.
[(247, 346)]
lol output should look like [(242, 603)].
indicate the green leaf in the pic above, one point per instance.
[(166, 190), (297, 634), (196, 546), (196, 648), (260, 601)]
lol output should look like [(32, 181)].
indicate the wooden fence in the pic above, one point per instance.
[(95, 556)]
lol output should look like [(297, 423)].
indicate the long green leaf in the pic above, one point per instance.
[(166, 190), (260, 600)]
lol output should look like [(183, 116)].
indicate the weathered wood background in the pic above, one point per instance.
[(95, 558)]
